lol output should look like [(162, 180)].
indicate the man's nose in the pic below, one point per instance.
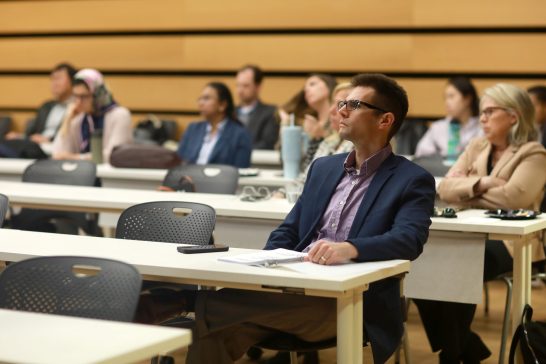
[(343, 111)]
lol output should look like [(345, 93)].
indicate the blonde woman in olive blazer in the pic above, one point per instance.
[(504, 169)]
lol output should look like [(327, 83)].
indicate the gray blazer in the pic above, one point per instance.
[(263, 126)]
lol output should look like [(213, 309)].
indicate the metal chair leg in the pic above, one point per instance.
[(293, 357), (506, 321), (486, 303), (405, 343)]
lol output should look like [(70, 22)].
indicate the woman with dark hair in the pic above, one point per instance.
[(220, 138), (449, 136), (93, 108)]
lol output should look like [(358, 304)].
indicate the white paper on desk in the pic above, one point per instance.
[(266, 257)]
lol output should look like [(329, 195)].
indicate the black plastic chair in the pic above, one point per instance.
[(4, 203), (157, 221), (72, 286), (77, 173), (210, 178)]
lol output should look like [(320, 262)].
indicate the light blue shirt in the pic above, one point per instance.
[(54, 119), (209, 142)]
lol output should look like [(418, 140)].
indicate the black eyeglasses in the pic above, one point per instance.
[(355, 104)]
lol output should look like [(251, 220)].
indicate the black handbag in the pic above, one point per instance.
[(155, 131), (530, 336)]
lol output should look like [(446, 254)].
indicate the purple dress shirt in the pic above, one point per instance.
[(338, 218)]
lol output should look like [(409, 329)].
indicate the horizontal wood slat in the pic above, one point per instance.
[(513, 53), (184, 15), (175, 94)]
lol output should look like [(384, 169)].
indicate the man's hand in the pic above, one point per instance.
[(13, 135), (39, 138), (328, 252)]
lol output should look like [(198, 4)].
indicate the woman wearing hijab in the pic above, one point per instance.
[(93, 109)]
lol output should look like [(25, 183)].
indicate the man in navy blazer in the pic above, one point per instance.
[(367, 205)]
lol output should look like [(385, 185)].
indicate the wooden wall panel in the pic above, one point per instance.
[(517, 53), (189, 15), (161, 53)]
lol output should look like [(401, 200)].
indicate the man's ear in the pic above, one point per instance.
[(386, 121)]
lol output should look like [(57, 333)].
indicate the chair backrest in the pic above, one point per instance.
[(210, 178), (433, 164), (160, 221), (4, 204), (72, 286), (78, 173)]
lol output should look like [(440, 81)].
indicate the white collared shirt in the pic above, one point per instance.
[(209, 141)]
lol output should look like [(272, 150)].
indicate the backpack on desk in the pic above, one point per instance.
[(530, 336)]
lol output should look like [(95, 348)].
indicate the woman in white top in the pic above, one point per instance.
[(449, 136), (93, 109)]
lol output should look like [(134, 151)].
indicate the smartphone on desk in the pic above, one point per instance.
[(194, 249)]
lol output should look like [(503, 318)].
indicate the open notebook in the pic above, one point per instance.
[(266, 258)]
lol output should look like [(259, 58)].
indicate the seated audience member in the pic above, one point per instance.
[(220, 138), (386, 215), (93, 109), (333, 144), (448, 137), (260, 119), (504, 169), (311, 107), (538, 97), (48, 119)]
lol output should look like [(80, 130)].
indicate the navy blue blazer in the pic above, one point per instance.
[(233, 147), (392, 222)]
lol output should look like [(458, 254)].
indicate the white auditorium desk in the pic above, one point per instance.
[(150, 179), (452, 234), (139, 178), (262, 158), (43, 339), (248, 224), (238, 223), (161, 261)]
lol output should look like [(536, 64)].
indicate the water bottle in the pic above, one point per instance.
[(291, 150), (96, 146)]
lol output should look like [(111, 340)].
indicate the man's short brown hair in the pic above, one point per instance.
[(257, 73), (389, 95)]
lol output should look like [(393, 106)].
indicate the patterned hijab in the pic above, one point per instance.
[(103, 101), (102, 98)]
